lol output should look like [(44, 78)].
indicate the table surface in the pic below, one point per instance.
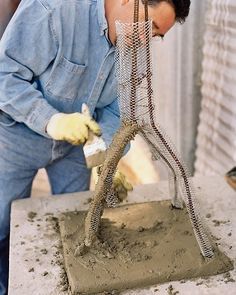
[(34, 244)]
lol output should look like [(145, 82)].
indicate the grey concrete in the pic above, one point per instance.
[(215, 197)]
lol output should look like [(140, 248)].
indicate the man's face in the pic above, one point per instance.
[(162, 15)]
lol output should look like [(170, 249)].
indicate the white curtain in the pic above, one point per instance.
[(216, 141)]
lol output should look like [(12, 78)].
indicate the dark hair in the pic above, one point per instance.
[(181, 8)]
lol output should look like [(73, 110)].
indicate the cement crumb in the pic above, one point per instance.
[(88, 201), (31, 215), (44, 251), (227, 278), (171, 290), (45, 273), (219, 222), (199, 283)]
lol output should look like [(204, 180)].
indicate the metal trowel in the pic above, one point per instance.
[(95, 147)]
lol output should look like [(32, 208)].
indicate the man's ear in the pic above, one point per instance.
[(123, 2)]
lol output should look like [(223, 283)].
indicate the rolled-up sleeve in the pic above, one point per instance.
[(27, 48)]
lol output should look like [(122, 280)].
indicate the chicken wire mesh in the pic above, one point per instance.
[(135, 93)]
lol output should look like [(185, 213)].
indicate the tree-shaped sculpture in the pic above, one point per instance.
[(134, 75)]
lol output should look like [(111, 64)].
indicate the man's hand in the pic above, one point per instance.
[(121, 185), (73, 128)]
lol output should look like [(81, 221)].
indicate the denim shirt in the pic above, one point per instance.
[(55, 55)]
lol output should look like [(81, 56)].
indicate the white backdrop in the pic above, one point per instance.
[(216, 150)]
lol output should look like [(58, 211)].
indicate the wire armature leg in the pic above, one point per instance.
[(176, 201), (163, 147)]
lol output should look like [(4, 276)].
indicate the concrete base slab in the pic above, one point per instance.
[(35, 266), (139, 245)]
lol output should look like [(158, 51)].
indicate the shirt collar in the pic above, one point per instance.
[(101, 16)]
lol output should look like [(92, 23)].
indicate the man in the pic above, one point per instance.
[(55, 55)]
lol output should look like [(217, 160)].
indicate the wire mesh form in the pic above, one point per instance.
[(131, 69), (135, 93)]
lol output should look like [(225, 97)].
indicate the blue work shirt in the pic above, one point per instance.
[(55, 55)]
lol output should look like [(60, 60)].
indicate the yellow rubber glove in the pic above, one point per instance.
[(71, 127), (121, 185)]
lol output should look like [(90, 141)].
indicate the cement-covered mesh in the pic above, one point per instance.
[(105, 194)]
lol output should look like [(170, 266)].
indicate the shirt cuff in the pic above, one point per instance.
[(39, 119)]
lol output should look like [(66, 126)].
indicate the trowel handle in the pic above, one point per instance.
[(85, 110)]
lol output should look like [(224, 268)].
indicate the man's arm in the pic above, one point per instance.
[(7, 9), (27, 48)]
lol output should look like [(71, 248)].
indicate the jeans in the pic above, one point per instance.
[(22, 153)]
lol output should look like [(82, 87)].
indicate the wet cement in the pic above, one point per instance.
[(139, 245)]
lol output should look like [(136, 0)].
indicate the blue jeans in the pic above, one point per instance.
[(22, 153)]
